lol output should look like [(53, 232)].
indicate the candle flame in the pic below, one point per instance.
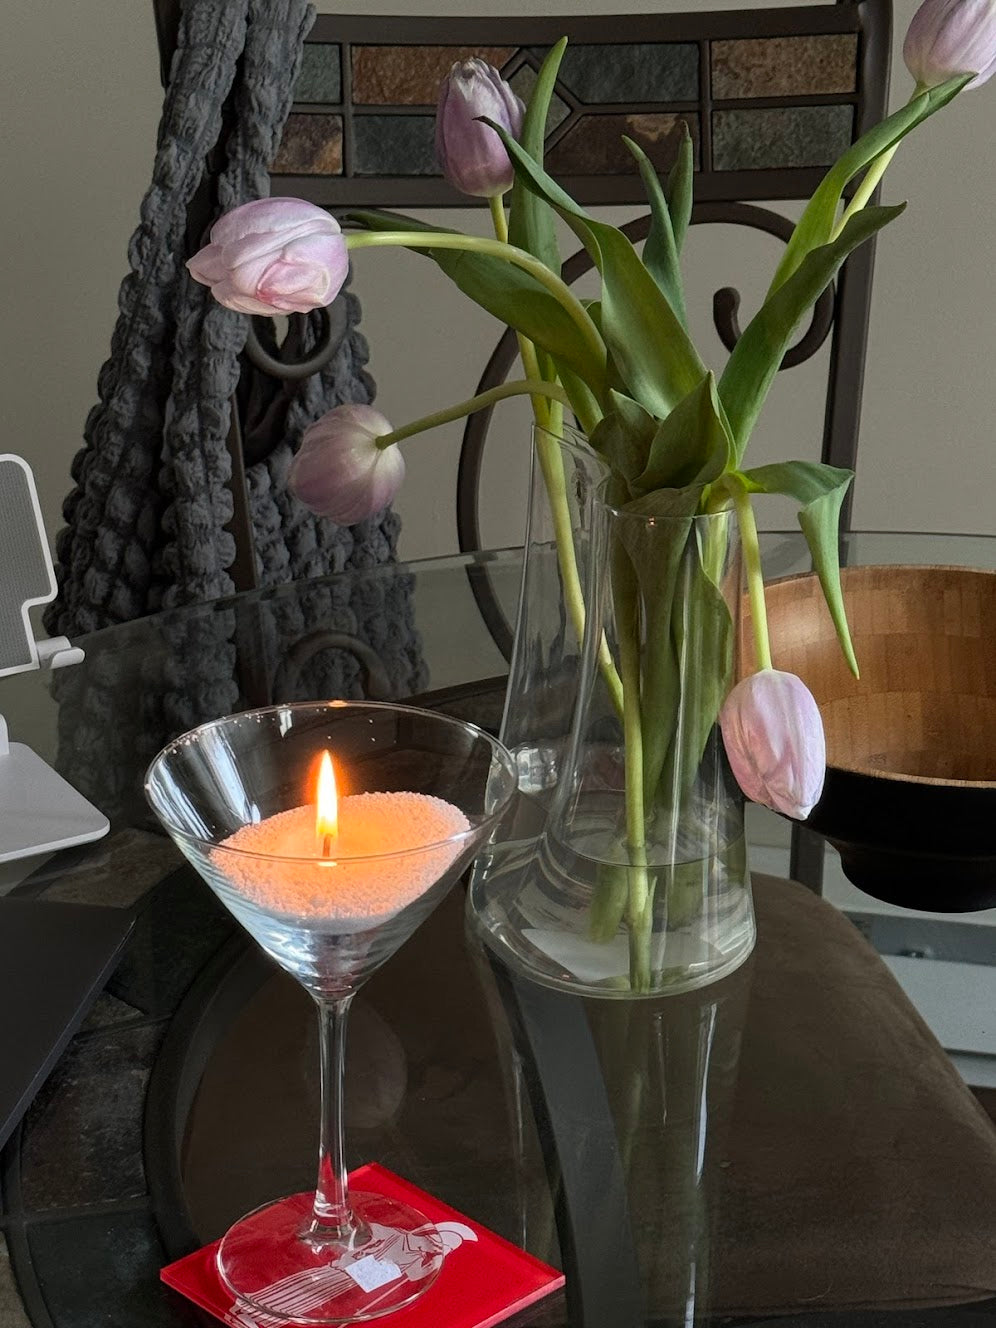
[(327, 811)]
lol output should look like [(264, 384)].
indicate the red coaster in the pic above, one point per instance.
[(484, 1278)]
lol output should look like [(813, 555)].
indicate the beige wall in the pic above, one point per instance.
[(79, 102)]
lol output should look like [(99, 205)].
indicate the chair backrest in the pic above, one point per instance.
[(771, 97)]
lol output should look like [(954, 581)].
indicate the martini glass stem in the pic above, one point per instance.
[(333, 1218)]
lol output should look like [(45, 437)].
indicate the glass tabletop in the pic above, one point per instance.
[(783, 1143)]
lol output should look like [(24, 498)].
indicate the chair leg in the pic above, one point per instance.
[(806, 862)]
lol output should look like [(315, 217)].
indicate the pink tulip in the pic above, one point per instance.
[(340, 472), (773, 735), (949, 37), (273, 256), (471, 154)]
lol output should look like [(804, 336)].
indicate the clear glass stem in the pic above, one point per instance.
[(333, 1217)]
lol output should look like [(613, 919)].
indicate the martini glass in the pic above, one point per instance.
[(420, 792)]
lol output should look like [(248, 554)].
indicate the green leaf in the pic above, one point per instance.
[(530, 224), (533, 176), (664, 504), (516, 298), (756, 356), (820, 490), (660, 253), (685, 623), (608, 900), (649, 347), (652, 351), (692, 446), (816, 224), (507, 292), (661, 690), (695, 676), (655, 552), (702, 632), (613, 378), (624, 436), (680, 189), (585, 405)]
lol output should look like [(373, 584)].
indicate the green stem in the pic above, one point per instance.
[(552, 468), (584, 403), (557, 417), (715, 546), (752, 566), (527, 351), (873, 175), (550, 419), (518, 388), (639, 905), (865, 189), (499, 220), (498, 217), (497, 249)]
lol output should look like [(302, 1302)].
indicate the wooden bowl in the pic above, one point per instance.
[(910, 794)]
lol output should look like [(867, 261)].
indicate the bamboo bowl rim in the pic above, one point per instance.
[(875, 772)]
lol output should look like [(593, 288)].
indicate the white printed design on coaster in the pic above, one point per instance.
[(301, 1292), (369, 1273)]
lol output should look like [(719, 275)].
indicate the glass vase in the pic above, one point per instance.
[(545, 668), (623, 871)]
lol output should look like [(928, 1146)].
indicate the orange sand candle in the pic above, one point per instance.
[(352, 888)]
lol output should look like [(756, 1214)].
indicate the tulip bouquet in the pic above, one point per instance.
[(671, 432)]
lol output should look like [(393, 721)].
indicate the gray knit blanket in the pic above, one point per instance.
[(146, 518)]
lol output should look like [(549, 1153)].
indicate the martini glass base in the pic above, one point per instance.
[(270, 1260)]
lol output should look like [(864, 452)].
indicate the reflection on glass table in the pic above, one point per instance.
[(770, 1145)]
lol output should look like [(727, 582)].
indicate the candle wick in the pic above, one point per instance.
[(327, 846)]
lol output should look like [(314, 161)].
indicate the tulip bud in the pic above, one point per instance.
[(471, 154), (273, 256), (949, 37), (773, 733), (340, 472)]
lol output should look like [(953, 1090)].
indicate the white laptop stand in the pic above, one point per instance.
[(39, 811)]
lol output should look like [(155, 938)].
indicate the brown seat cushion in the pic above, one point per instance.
[(858, 1171)]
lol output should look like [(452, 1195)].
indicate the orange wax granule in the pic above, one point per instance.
[(351, 887)]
